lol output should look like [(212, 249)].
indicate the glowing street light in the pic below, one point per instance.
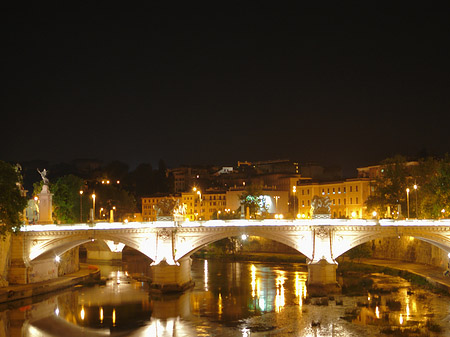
[(415, 189), (294, 191), (407, 200), (81, 206), (93, 207)]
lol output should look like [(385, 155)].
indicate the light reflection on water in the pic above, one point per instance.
[(229, 299)]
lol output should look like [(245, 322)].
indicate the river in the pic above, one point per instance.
[(231, 299)]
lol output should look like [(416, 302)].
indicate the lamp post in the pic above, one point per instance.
[(294, 190), (81, 206), (415, 189), (93, 207), (407, 200), (276, 203)]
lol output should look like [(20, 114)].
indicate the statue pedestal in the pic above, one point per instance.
[(45, 206)]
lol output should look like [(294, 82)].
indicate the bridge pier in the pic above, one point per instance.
[(322, 278), (167, 278)]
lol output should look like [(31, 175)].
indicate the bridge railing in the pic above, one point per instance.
[(236, 222)]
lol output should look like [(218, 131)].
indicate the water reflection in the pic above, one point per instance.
[(229, 299)]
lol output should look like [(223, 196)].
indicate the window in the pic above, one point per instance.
[(307, 191), (356, 200), (303, 203), (339, 191), (334, 191), (356, 188), (303, 192), (344, 189), (339, 201), (350, 201), (334, 202), (350, 188), (345, 201), (308, 202)]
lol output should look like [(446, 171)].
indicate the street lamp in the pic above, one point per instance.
[(93, 207), (276, 203), (294, 190), (81, 206), (407, 200), (415, 189)]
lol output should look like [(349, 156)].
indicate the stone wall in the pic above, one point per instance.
[(407, 248), (5, 255)]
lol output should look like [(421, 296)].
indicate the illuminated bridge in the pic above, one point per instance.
[(169, 245)]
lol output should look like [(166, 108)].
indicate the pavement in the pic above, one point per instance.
[(434, 275), (21, 291)]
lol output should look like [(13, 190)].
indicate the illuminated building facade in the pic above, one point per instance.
[(204, 206), (148, 210), (347, 197)]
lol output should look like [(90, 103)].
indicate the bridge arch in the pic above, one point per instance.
[(62, 244), (436, 238), (293, 241)]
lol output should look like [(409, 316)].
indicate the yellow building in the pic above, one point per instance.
[(203, 206), (148, 211), (347, 197)]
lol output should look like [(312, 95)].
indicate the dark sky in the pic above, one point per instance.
[(338, 84)]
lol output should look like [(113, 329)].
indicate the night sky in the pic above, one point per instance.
[(337, 84)]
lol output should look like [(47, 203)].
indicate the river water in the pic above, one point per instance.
[(231, 299)]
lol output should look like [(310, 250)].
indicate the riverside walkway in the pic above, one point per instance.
[(434, 275)]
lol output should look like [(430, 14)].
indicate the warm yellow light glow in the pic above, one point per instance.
[(205, 272), (415, 186), (35, 198), (82, 313), (194, 189), (353, 214), (279, 297), (219, 304), (114, 317), (101, 315), (374, 213), (377, 312), (93, 196), (81, 192), (400, 319)]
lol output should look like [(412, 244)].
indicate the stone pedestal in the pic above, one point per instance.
[(18, 269), (45, 206), (168, 278), (322, 278)]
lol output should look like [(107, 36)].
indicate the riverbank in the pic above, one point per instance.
[(431, 274), (86, 274)]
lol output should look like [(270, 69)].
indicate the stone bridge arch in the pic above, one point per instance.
[(61, 243), (294, 237), (438, 236)]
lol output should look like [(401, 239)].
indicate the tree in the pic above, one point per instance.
[(252, 199), (436, 192), (66, 198), (390, 186), (12, 198)]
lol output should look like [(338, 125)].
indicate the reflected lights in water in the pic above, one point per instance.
[(205, 272), (219, 305), (300, 287), (101, 315), (400, 319), (377, 312), (114, 317), (279, 297), (82, 313), (245, 332), (256, 288)]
